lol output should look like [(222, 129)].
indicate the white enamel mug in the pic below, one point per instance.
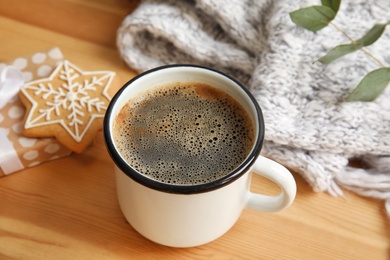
[(192, 215)]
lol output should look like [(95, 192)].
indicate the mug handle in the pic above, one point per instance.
[(279, 175)]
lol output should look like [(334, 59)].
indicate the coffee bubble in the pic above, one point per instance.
[(184, 133)]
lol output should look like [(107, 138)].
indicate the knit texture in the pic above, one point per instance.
[(308, 126)]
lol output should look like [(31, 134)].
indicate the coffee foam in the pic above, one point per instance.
[(184, 133)]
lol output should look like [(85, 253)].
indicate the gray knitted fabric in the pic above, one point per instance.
[(308, 126)]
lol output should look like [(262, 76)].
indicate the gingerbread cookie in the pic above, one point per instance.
[(70, 105)]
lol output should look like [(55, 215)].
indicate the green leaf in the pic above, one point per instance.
[(338, 52), (333, 4), (372, 35), (371, 85), (313, 18), (369, 38)]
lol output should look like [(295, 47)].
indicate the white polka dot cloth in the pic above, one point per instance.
[(16, 151)]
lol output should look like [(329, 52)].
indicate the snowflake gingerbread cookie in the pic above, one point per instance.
[(70, 105)]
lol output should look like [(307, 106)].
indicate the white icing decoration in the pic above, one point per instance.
[(71, 96)]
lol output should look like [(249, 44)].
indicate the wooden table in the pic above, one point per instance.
[(67, 208)]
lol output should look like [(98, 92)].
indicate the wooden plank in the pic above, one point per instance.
[(94, 21)]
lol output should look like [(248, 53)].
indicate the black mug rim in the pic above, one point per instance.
[(173, 188)]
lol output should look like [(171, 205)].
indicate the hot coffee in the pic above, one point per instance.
[(183, 133), (205, 139)]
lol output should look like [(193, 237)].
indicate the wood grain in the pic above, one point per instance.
[(94, 21), (67, 209)]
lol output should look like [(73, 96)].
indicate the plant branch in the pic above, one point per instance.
[(342, 31), (369, 54)]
